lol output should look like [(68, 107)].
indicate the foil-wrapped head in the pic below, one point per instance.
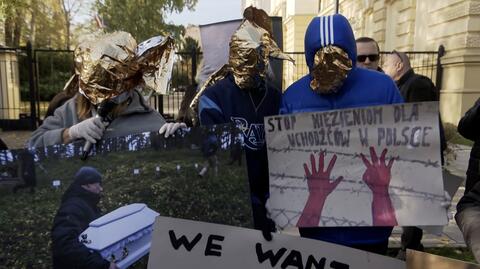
[(113, 63), (104, 66), (251, 47), (331, 67)]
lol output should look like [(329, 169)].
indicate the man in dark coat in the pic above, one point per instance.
[(414, 88), (78, 208), (468, 208), (368, 53), (468, 128)]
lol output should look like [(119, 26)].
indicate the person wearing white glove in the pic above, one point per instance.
[(131, 114), (170, 128), (90, 129)]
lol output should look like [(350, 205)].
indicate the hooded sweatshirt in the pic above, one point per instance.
[(361, 88), (225, 102)]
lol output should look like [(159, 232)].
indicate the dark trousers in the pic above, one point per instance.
[(412, 238)]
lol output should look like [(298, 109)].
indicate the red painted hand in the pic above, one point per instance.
[(319, 187), (318, 180), (377, 177)]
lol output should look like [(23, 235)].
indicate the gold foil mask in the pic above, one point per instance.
[(251, 47), (331, 67), (102, 66), (114, 63)]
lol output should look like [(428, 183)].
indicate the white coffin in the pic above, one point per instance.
[(123, 235)]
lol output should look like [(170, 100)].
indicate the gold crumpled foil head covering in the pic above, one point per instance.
[(113, 63), (251, 46), (331, 67)]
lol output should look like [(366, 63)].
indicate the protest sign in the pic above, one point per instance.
[(181, 244), (451, 184), (422, 260), (371, 166), (130, 175)]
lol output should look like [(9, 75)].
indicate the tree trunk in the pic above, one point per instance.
[(17, 32), (8, 30), (67, 25), (33, 27)]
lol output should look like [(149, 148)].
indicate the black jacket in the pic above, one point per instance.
[(469, 127), (78, 209), (418, 88)]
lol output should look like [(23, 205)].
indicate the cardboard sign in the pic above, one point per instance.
[(181, 243), (452, 183), (371, 166), (422, 260)]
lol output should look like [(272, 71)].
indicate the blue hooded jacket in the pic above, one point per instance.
[(361, 88)]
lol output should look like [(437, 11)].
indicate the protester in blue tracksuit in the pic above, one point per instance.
[(244, 97), (349, 87)]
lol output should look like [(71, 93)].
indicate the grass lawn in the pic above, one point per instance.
[(25, 219)]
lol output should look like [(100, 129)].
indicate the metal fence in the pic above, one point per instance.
[(29, 78)]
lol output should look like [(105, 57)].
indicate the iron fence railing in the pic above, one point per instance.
[(29, 78)]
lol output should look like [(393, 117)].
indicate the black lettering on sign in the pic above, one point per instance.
[(381, 135), (293, 259), (401, 113), (378, 115), (415, 136), (363, 136), (425, 133), (269, 255), (405, 135), (176, 243), (210, 249), (339, 265), (317, 121), (312, 263), (281, 123), (271, 127)]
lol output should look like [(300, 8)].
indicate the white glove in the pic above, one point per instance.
[(90, 129), (171, 127)]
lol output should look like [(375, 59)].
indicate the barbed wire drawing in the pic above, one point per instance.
[(290, 216), (401, 190), (354, 155)]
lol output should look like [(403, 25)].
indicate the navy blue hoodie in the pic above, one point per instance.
[(361, 88), (225, 102)]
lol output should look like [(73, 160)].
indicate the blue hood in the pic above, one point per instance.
[(329, 30)]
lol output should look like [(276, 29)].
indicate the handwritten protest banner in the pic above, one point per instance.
[(371, 166), (181, 243)]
